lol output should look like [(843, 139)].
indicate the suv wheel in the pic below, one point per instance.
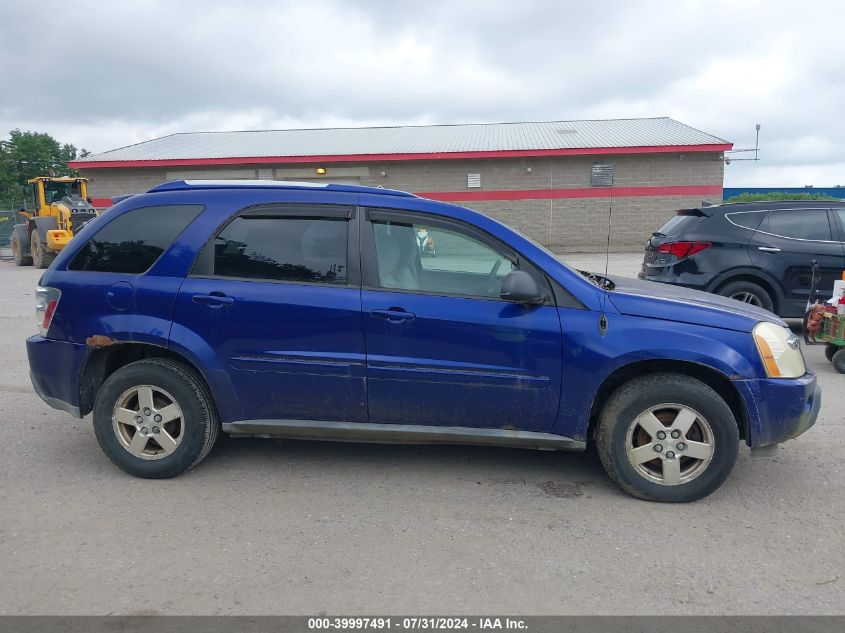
[(17, 252), (154, 418), (838, 360), (747, 292), (667, 437)]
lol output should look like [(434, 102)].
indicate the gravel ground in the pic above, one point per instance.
[(272, 527)]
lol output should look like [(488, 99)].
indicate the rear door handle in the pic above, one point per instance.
[(394, 315), (213, 300), (768, 249)]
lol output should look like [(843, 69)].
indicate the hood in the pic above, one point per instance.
[(676, 303), (75, 204)]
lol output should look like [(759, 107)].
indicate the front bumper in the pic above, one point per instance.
[(779, 409), (54, 368)]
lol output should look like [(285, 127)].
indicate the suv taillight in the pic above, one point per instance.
[(46, 302), (682, 249)]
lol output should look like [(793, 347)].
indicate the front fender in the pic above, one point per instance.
[(44, 223), (590, 358)]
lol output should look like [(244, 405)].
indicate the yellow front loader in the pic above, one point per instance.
[(60, 208)]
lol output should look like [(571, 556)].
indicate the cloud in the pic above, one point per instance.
[(119, 73)]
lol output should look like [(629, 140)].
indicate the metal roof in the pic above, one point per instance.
[(409, 142)]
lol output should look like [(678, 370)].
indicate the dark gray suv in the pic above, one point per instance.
[(759, 253)]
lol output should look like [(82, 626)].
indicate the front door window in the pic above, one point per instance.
[(417, 257)]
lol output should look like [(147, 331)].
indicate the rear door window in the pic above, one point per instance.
[(310, 250), (133, 242), (798, 224)]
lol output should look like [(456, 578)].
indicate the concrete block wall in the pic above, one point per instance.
[(564, 224)]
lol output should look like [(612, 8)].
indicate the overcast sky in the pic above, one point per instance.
[(106, 74)]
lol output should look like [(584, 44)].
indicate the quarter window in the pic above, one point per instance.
[(283, 249), (809, 224), (417, 257), (747, 219), (133, 242)]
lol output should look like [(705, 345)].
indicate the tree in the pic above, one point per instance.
[(25, 155)]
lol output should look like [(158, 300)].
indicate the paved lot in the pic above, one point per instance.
[(276, 527)]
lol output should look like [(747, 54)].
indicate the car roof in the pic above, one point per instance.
[(763, 205), (194, 185)]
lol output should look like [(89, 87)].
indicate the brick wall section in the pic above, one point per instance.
[(565, 225)]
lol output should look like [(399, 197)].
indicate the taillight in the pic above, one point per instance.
[(682, 249), (46, 302)]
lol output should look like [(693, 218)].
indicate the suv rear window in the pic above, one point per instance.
[(679, 223), (133, 242)]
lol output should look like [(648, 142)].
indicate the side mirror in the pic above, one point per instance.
[(518, 286)]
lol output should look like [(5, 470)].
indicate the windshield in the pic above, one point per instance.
[(55, 191)]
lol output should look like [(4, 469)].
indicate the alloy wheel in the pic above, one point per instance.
[(747, 297), (148, 422), (670, 444)]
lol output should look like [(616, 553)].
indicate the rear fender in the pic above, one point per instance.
[(43, 224), (747, 273)]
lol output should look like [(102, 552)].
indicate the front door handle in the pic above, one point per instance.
[(768, 249), (214, 300), (394, 315)]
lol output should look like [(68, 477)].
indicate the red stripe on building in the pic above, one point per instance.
[(102, 202), (584, 192), (363, 158)]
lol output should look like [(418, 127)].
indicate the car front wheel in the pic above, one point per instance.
[(154, 418), (667, 437)]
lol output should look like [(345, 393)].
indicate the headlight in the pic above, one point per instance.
[(779, 350)]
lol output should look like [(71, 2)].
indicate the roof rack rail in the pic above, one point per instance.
[(181, 185)]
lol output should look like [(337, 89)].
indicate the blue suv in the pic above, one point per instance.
[(308, 311)]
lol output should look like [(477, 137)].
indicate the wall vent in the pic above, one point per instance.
[(473, 181)]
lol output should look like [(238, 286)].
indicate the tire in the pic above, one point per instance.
[(838, 360), (17, 251), (830, 350), (667, 399), (42, 256), (139, 449), (748, 292)]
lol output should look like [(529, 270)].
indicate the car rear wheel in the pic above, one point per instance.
[(667, 437), (838, 360), (154, 418), (829, 350), (748, 292), (17, 252)]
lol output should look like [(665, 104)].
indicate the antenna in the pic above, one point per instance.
[(601, 175), (755, 149), (609, 223)]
